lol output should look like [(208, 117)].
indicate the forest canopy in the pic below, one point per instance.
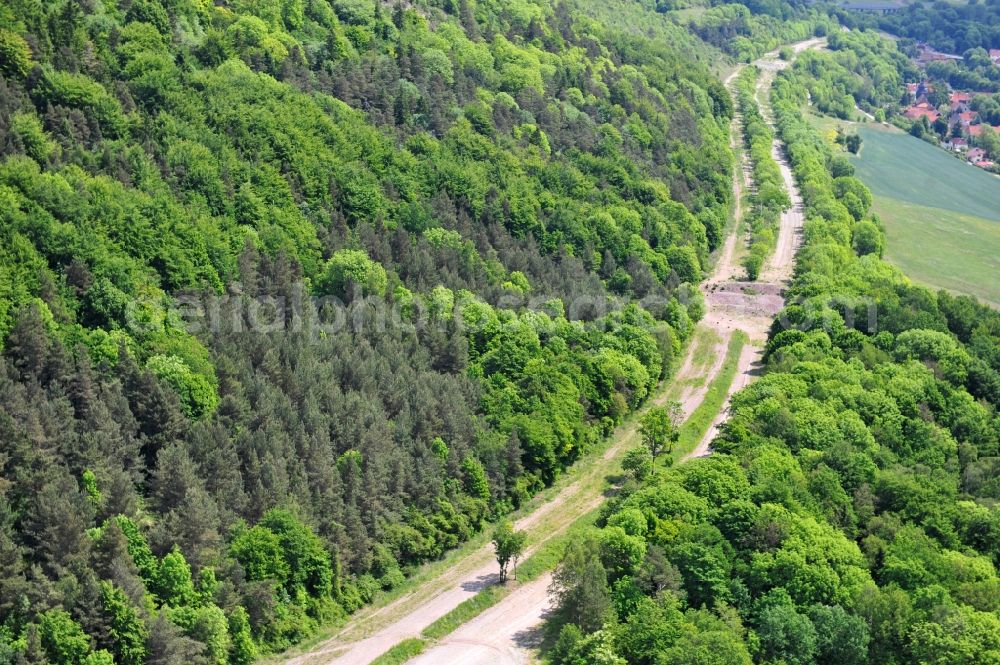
[(174, 493), (949, 27)]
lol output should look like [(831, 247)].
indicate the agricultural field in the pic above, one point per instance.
[(941, 215)]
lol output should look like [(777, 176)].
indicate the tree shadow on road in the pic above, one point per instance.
[(530, 638), (534, 637), (481, 582)]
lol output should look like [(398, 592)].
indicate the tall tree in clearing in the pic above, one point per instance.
[(659, 428), (508, 545)]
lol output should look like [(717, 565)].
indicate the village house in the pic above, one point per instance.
[(963, 122), (957, 144), (918, 91), (962, 119), (922, 109), (960, 101)]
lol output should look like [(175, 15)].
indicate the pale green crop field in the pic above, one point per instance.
[(942, 216)]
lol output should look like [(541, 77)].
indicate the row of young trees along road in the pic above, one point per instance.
[(217, 493)]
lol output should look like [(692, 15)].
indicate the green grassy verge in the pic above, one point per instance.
[(466, 610), (942, 248), (694, 428), (941, 216), (702, 349), (402, 652), (897, 166)]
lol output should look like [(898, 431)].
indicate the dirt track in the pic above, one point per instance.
[(506, 632)]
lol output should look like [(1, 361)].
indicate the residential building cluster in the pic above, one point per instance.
[(963, 123)]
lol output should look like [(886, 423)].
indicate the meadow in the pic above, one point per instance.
[(941, 215)]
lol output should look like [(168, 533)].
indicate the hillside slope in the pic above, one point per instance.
[(265, 276)]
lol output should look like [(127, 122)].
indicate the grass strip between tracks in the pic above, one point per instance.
[(402, 652), (696, 426), (545, 559)]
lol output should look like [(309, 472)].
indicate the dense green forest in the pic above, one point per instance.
[(849, 513), (861, 69), (952, 27), (747, 35), (198, 463), (296, 295)]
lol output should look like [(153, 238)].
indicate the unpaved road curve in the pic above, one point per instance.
[(505, 633)]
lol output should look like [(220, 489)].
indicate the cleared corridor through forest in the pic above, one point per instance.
[(505, 632)]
